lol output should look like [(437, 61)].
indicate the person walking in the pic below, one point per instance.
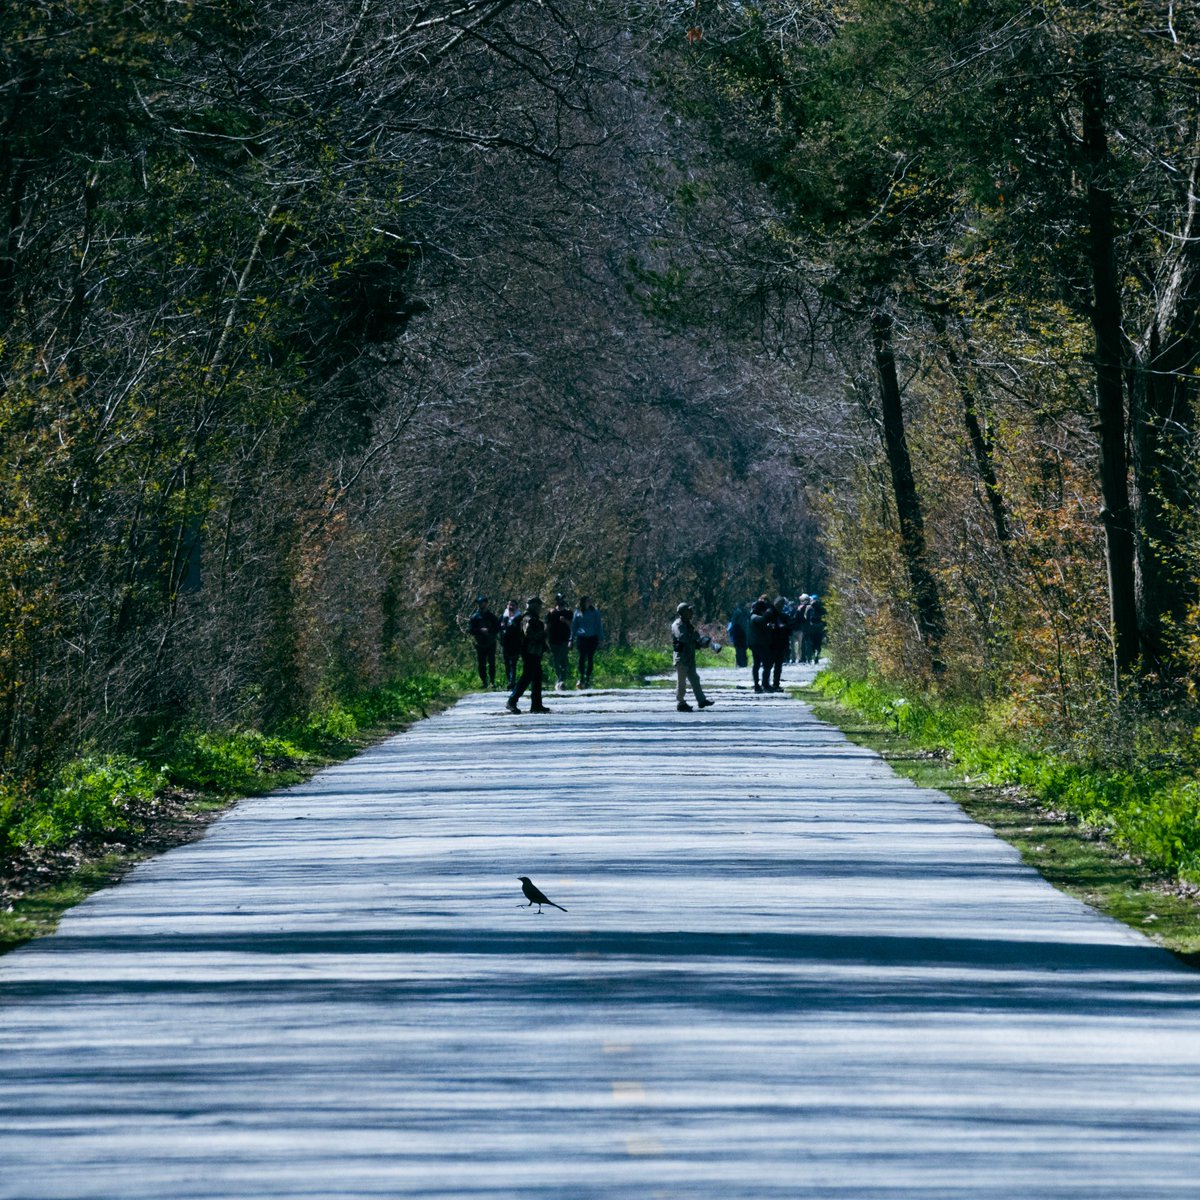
[(510, 642), (586, 632), (686, 639), (759, 641), (532, 649), (814, 629), (780, 636), (484, 628), (558, 637)]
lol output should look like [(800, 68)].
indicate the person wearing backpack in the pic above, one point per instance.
[(814, 629)]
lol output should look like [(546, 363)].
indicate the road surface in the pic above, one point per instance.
[(784, 972)]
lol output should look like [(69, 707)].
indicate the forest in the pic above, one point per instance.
[(319, 318)]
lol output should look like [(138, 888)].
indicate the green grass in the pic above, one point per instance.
[(100, 814), (1077, 829)]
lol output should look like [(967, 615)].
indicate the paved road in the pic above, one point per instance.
[(785, 972)]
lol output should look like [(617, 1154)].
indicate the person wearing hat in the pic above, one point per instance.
[(484, 627), (532, 649), (686, 639), (558, 637)]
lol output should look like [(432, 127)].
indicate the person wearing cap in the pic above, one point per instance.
[(484, 627), (586, 632), (558, 637), (686, 639), (532, 649)]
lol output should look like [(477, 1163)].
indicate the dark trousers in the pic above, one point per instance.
[(510, 669), (485, 660), (561, 657), (812, 644), (778, 654), (587, 653), (531, 677), (762, 662), (739, 653)]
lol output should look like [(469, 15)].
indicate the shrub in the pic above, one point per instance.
[(227, 762), (88, 800)]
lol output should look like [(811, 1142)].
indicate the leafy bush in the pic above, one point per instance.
[(87, 800), (228, 762), (629, 664)]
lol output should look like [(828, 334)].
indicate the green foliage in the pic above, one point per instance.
[(86, 801), (1148, 809), (228, 762), (629, 664)]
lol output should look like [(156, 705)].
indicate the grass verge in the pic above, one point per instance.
[(1074, 854), (101, 814)]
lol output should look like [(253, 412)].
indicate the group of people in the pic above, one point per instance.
[(523, 638), (775, 632), (772, 632)]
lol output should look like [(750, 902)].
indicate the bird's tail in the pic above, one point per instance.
[(558, 906)]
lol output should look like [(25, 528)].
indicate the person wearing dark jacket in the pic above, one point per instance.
[(558, 637), (759, 639), (511, 639), (532, 649), (484, 628), (781, 633), (814, 629)]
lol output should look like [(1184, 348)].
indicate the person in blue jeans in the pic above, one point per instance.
[(586, 632)]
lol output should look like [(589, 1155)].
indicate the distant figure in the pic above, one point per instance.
[(685, 640), (586, 632), (558, 636), (535, 895), (532, 649), (760, 643), (781, 633), (739, 631), (814, 629), (797, 623), (511, 639), (484, 627)]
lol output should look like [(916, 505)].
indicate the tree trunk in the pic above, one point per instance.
[(927, 601), (1116, 514), (979, 438), (1163, 427)]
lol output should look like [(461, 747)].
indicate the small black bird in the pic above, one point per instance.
[(534, 896)]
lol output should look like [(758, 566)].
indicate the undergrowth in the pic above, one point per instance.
[(1146, 800), (96, 798)]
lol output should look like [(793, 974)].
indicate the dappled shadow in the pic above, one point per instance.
[(765, 972)]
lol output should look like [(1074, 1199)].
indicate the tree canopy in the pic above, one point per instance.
[(318, 319)]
